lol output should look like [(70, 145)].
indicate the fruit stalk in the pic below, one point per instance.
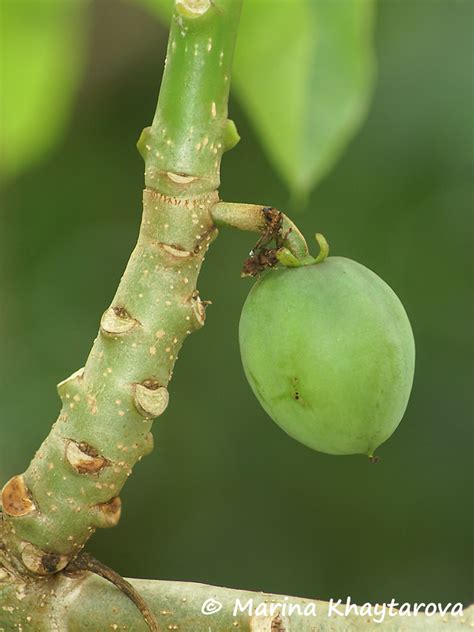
[(253, 218), (73, 483)]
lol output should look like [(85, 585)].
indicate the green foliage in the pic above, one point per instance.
[(42, 55), (303, 72)]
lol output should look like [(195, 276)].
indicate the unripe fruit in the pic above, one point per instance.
[(328, 351)]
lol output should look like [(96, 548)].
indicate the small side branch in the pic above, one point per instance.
[(86, 562), (73, 484), (256, 218)]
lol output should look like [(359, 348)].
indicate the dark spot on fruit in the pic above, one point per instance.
[(297, 395)]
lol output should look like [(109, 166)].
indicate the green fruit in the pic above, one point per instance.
[(328, 350)]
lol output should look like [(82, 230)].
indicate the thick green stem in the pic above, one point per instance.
[(73, 483), (190, 131), (85, 602)]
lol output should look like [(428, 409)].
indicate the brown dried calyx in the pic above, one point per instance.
[(261, 257)]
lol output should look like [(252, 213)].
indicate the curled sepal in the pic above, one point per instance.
[(323, 248), (287, 258)]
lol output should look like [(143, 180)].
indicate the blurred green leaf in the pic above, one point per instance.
[(303, 72), (41, 56)]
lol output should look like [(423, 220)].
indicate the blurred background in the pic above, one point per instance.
[(226, 497)]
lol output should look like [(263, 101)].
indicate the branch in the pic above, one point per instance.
[(73, 483), (86, 602)]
